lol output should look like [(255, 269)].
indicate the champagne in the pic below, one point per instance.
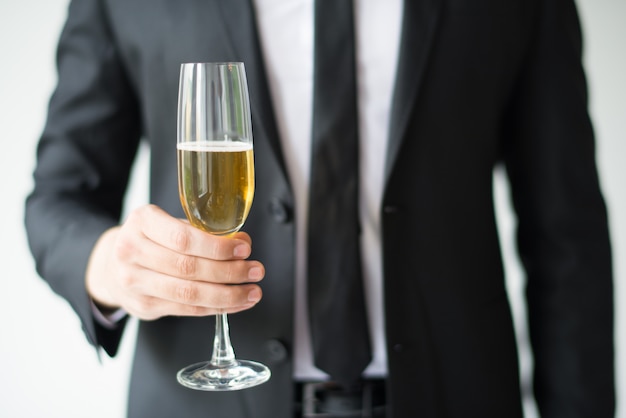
[(216, 184)]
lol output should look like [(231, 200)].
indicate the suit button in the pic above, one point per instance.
[(276, 351), (279, 211)]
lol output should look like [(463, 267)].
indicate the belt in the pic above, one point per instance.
[(328, 400)]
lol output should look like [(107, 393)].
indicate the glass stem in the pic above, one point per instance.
[(223, 353)]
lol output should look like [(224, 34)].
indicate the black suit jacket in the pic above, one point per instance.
[(478, 83)]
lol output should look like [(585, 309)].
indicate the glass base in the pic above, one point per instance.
[(241, 374)]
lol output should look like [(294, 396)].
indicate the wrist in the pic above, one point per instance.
[(97, 275)]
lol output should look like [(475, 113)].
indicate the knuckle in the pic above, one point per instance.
[(232, 272), (147, 210), (186, 293), (181, 239), (229, 275), (125, 249), (217, 248), (126, 279), (143, 307), (151, 208), (236, 296), (138, 215), (186, 266), (134, 215)]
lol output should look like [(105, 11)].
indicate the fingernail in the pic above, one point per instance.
[(255, 273), (254, 295), (242, 251)]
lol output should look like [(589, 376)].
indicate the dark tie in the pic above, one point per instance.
[(339, 331)]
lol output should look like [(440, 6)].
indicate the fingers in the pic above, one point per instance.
[(148, 309), (171, 296), (173, 247), (183, 238), (163, 266), (138, 250)]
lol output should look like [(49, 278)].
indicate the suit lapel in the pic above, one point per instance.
[(241, 27), (418, 32)]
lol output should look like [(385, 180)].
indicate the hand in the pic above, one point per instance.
[(155, 265)]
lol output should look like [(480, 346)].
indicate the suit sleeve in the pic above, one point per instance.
[(84, 159), (563, 235)]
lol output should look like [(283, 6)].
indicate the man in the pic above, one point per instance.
[(475, 84)]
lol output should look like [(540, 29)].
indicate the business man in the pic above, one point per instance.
[(446, 91)]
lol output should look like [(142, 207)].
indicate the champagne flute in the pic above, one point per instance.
[(216, 187)]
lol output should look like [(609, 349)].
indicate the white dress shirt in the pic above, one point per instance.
[(286, 32)]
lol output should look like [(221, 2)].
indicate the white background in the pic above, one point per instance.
[(47, 369)]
